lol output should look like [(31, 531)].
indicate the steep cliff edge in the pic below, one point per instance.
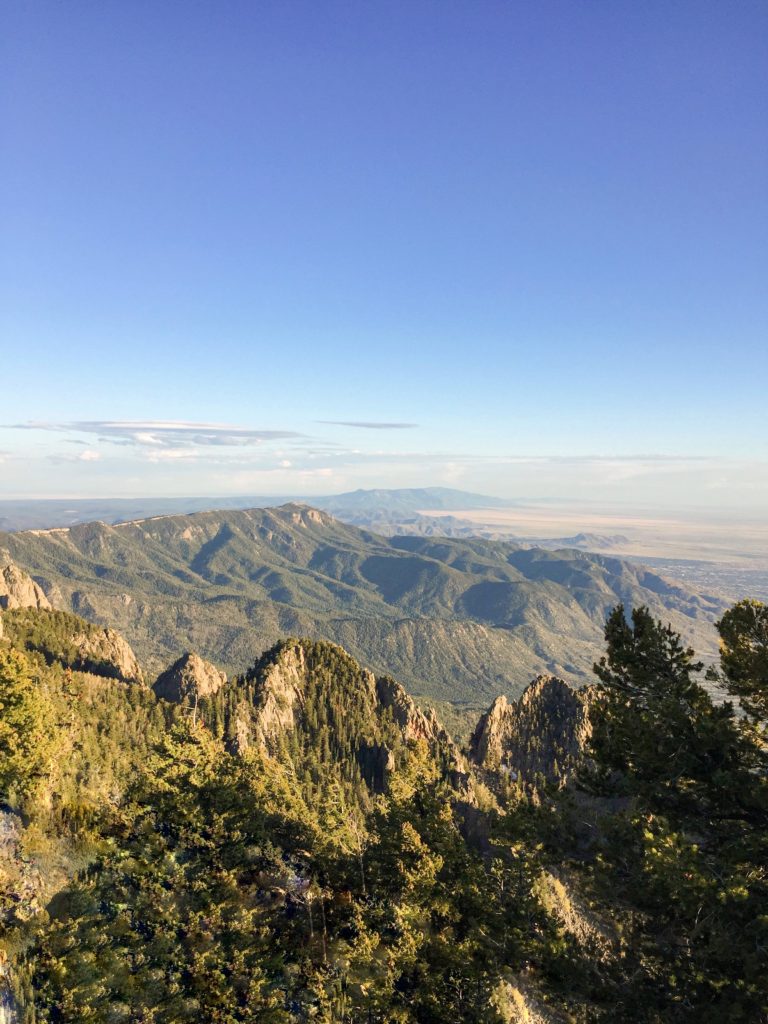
[(543, 733), (189, 679), (70, 641), (414, 723), (310, 701), (18, 590)]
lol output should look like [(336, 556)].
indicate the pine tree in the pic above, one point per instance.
[(27, 731), (744, 657)]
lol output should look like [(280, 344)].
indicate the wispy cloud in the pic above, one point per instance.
[(163, 433), (173, 455), (87, 456), (369, 424)]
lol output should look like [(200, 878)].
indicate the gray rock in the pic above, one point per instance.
[(544, 732), (18, 590), (188, 679), (107, 647)]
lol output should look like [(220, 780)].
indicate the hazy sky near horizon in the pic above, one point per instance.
[(303, 247)]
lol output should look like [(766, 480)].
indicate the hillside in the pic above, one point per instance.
[(462, 620), (303, 843)]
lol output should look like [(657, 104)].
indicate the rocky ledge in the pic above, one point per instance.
[(543, 733), (189, 679)]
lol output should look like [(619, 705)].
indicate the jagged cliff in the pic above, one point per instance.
[(72, 642), (18, 590), (316, 700), (283, 680), (189, 679), (544, 732), (281, 696), (414, 723), (107, 648)]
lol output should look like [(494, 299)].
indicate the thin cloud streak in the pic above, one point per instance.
[(368, 424), (163, 433)]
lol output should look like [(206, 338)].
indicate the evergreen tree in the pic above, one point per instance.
[(687, 849), (744, 657), (27, 736)]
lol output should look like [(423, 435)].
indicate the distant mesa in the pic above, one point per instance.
[(188, 679)]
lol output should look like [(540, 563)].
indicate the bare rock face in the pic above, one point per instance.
[(106, 648), (188, 679), (544, 732), (517, 1001), (306, 516), (281, 699), (490, 738), (411, 719), (18, 590), (285, 682)]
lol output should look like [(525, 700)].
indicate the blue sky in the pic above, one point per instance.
[(300, 247)]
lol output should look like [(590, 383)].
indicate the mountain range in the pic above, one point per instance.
[(461, 620), (353, 506)]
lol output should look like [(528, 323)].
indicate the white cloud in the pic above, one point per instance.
[(369, 424), (163, 433), (173, 455)]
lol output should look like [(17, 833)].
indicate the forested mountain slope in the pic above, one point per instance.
[(302, 843), (454, 619)]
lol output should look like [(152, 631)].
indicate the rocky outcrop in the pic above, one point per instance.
[(490, 738), (18, 590), (414, 723), (290, 680), (281, 697), (306, 516), (559, 896), (543, 733), (517, 1000), (189, 679), (20, 881), (105, 652), (8, 1011)]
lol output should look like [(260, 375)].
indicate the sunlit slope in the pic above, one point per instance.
[(454, 619)]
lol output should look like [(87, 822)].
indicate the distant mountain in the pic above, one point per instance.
[(458, 620), (406, 500), (405, 524), (46, 514), (54, 513)]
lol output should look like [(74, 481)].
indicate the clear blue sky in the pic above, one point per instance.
[(535, 232)]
